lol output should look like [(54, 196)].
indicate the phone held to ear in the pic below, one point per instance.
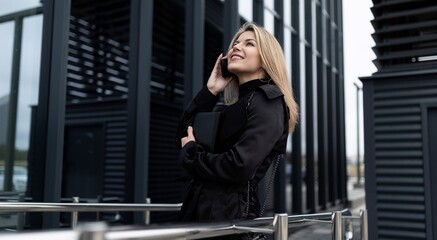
[(225, 71)]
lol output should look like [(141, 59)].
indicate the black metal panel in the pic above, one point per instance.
[(405, 34), (167, 100), (311, 136), (296, 154), (395, 178), (165, 184), (258, 12), (431, 165), (322, 129), (231, 21), (112, 116), (97, 88), (54, 105), (98, 60)]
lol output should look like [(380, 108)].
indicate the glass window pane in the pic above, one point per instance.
[(29, 82), (270, 4), (287, 12), (287, 51), (245, 8), (7, 42), (8, 7), (269, 21), (26, 94)]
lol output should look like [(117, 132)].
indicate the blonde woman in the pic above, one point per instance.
[(253, 130)]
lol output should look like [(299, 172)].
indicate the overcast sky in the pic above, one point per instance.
[(358, 56)]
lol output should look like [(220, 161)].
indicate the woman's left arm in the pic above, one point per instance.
[(264, 127)]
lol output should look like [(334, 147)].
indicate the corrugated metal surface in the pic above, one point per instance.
[(397, 179), (167, 91), (113, 119), (405, 33), (97, 76), (398, 191), (98, 56)]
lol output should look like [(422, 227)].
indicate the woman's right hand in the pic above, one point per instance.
[(216, 82)]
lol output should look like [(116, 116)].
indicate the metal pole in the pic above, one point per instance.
[(363, 222), (358, 183), (92, 231), (280, 225), (74, 214), (337, 222), (20, 217), (13, 105), (349, 231), (147, 213)]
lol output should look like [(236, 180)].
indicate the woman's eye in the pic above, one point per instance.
[(250, 44)]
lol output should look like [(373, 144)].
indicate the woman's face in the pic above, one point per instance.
[(244, 59)]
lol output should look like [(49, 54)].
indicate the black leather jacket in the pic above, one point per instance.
[(253, 131)]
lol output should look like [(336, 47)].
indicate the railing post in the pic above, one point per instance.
[(349, 230), (74, 214), (21, 215), (280, 225), (337, 222), (363, 222), (147, 213), (92, 231)]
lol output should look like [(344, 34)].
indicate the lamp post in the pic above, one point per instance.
[(358, 183)]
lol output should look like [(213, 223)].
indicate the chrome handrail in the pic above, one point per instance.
[(277, 225), (77, 207), (86, 207)]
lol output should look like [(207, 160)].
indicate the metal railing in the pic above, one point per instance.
[(75, 207), (278, 225)]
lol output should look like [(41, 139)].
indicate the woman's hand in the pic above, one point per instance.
[(216, 82), (188, 138)]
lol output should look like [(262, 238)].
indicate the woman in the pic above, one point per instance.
[(254, 126)]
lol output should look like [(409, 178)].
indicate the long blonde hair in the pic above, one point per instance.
[(273, 63)]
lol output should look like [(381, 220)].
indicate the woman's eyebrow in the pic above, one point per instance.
[(246, 40)]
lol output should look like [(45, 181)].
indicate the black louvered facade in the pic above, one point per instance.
[(400, 102), (115, 76)]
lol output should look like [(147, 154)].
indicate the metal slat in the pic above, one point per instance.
[(398, 128), (399, 171), (404, 225), (399, 189), (399, 180)]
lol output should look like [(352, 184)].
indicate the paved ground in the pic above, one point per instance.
[(323, 231)]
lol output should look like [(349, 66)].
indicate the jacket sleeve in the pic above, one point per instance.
[(204, 101), (264, 127)]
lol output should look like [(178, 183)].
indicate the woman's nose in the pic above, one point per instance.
[(236, 47)]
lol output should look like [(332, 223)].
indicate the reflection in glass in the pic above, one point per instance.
[(21, 33), (8, 7)]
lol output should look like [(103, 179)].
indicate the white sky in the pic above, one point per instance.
[(358, 56)]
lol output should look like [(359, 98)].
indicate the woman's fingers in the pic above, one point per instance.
[(190, 132), (189, 137)]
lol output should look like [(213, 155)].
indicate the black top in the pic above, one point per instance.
[(253, 131)]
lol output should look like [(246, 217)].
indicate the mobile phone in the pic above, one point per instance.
[(225, 71)]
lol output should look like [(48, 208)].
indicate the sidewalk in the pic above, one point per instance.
[(322, 231)]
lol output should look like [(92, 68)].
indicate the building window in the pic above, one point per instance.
[(245, 8), (21, 31)]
